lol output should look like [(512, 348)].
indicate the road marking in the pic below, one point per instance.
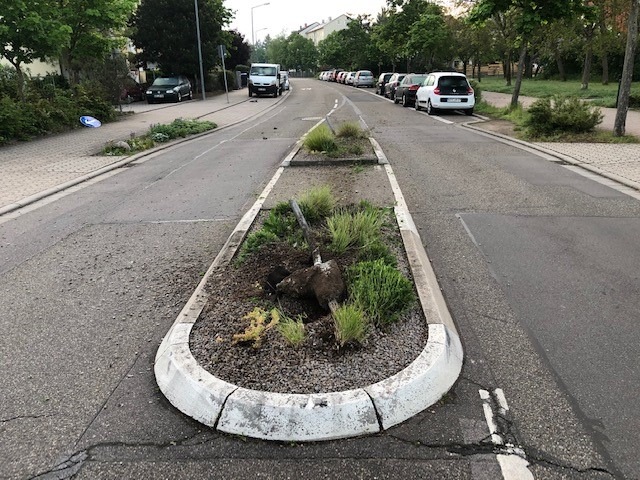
[(311, 119), (512, 460)]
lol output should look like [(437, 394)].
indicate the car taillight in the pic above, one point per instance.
[(436, 91), (414, 87), (470, 90)]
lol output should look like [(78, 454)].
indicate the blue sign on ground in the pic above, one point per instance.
[(88, 121)]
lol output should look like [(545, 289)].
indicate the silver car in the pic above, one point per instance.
[(363, 78)]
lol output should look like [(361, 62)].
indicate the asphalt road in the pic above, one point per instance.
[(90, 283)]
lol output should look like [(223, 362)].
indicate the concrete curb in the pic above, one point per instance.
[(556, 155), (314, 416)]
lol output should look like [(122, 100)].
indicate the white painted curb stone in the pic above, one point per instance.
[(298, 417)]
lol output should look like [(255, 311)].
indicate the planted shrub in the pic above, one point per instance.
[(255, 240), (320, 139), (560, 115), (317, 203), (380, 290), (353, 229), (292, 330), (258, 326), (350, 324), (349, 130), (477, 91), (182, 128)]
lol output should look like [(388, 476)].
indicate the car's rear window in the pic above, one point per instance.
[(366, 74), (454, 82), (163, 82)]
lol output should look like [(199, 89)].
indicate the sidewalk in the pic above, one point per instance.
[(620, 162), (33, 170)]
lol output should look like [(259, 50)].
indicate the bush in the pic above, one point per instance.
[(380, 290), (320, 139), (182, 128), (317, 203), (560, 115), (477, 91), (350, 324), (349, 130)]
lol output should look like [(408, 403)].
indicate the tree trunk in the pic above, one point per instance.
[(627, 71), (516, 88), (605, 69), (508, 72), (561, 70), (479, 71), (586, 69)]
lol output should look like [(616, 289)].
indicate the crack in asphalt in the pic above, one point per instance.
[(25, 417)]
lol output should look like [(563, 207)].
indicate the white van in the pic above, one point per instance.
[(265, 79)]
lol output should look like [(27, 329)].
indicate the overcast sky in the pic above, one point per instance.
[(285, 16)]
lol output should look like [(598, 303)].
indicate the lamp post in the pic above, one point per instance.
[(195, 5), (253, 33)]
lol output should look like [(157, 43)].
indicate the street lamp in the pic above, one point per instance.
[(195, 6), (253, 33), (261, 29)]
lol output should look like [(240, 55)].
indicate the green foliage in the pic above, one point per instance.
[(477, 91), (380, 290), (350, 324), (349, 130), (165, 31), (353, 229), (377, 250), (320, 139), (561, 115), (255, 240), (317, 203), (282, 225), (182, 128), (292, 330)]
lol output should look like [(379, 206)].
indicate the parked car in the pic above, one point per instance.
[(132, 91), (172, 89), (446, 91), (363, 78), (341, 76), (285, 80), (382, 81), (333, 74), (392, 84), (350, 77), (406, 90)]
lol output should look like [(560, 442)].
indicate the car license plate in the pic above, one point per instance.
[(262, 89), (158, 96), (454, 100)]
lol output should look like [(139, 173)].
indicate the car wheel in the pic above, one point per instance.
[(430, 109), (190, 94), (179, 99), (416, 105), (250, 92), (405, 102), (468, 112), (395, 99)]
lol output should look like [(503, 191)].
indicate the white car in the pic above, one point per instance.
[(445, 91)]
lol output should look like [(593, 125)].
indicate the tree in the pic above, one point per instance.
[(300, 52), (97, 28), (430, 39), (627, 70), (239, 51), (530, 15), (165, 30), (332, 52), (30, 31)]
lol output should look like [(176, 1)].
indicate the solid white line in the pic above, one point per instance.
[(488, 415), (502, 401)]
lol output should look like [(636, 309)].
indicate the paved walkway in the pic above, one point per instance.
[(31, 170)]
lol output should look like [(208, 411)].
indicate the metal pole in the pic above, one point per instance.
[(199, 50), (224, 73)]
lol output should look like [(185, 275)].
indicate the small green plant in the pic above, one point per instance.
[(357, 168), (348, 229), (258, 326), (350, 324), (561, 114), (292, 330), (320, 139), (380, 290), (349, 130), (317, 203), (377, 250), (254, 241)]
